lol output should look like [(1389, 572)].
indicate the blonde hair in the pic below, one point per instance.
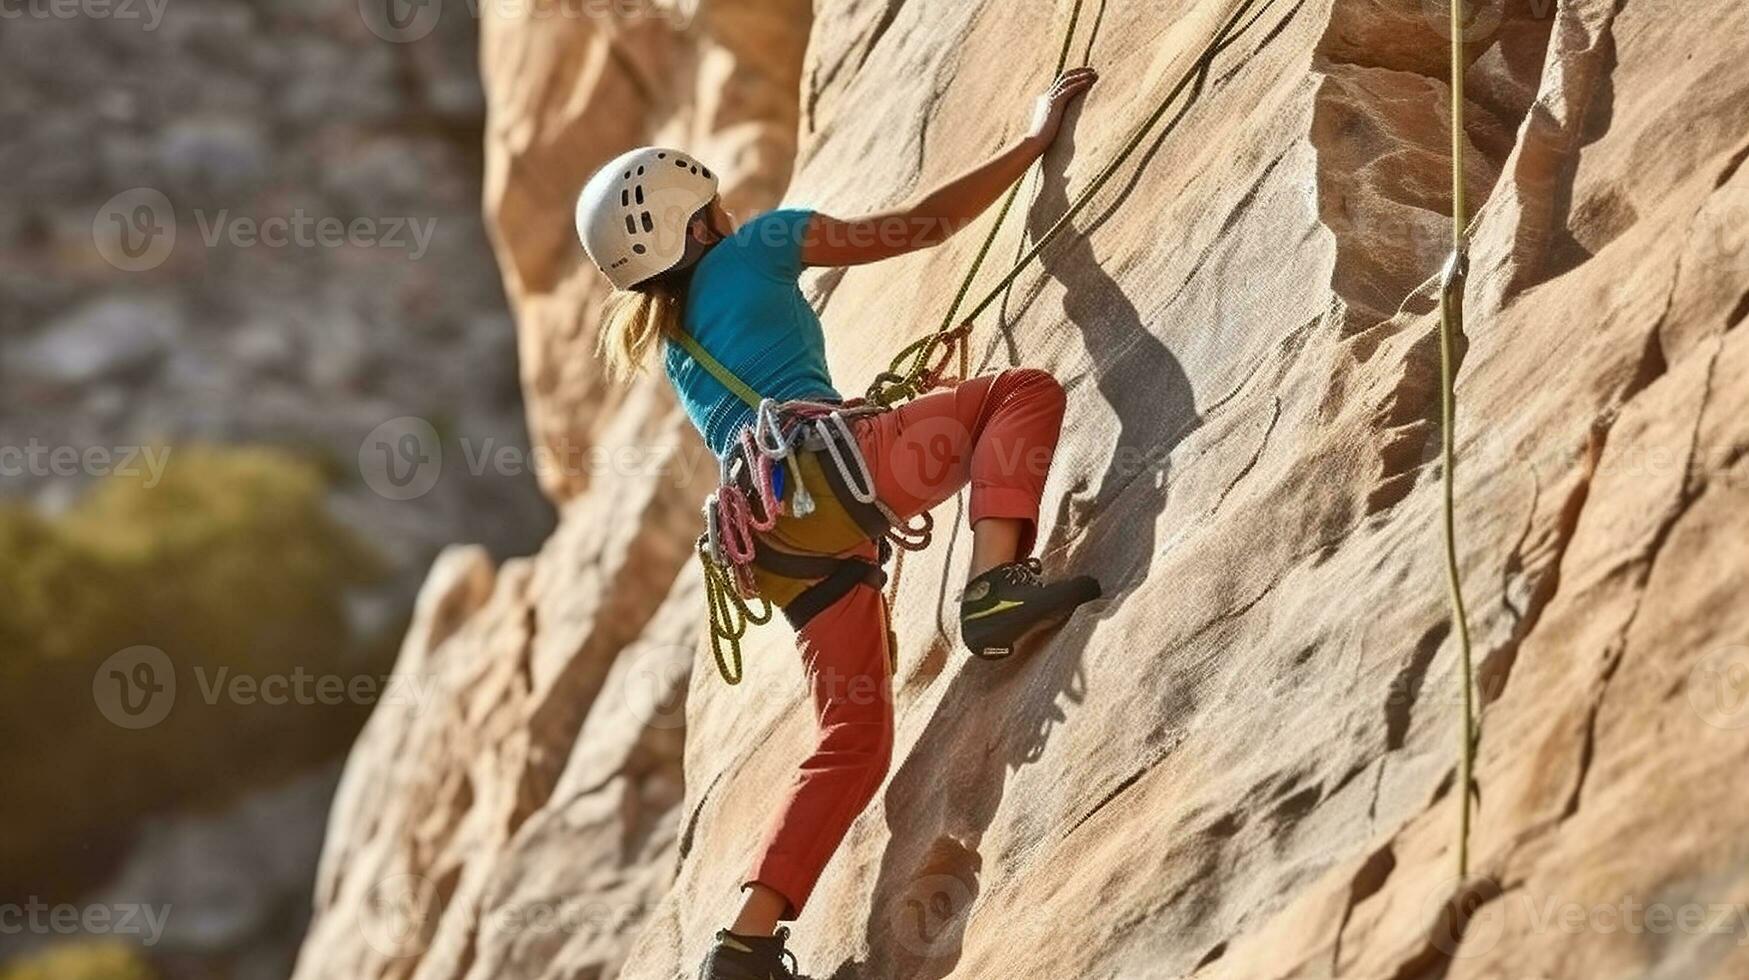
[(632, 320)]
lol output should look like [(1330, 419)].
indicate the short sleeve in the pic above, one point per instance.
[(772, 242)]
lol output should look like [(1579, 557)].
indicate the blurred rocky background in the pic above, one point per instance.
[(256, 367)]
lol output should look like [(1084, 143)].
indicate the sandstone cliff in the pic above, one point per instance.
[(1241, 763)]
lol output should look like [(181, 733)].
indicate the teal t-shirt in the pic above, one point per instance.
[(746, 309)]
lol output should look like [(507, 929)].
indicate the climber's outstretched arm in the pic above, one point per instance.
[(936, 216)]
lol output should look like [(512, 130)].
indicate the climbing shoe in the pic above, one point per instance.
[(737, 957), (1007, 603)]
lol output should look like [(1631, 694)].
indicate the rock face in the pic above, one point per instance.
[(1242, 762)]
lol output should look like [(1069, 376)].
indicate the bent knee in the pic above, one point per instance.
[(1034, 384)]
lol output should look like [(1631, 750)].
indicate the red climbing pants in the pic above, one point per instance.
[(997, 433)]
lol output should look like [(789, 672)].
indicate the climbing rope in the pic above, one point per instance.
[(1451, 326), (730, 613), (907, 380), (911, 373), (971, 277), (727, 548)]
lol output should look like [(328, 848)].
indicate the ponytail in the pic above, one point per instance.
[(633, 320)]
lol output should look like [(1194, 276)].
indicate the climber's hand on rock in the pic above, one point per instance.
[(1047, 116), (931, 219)]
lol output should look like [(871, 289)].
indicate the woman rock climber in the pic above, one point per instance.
[(653, 223)]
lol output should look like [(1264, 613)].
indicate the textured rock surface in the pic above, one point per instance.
[(1241, 764)]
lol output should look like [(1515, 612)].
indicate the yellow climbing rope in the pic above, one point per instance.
[(910, 373), (1451, 325), (730, 615)]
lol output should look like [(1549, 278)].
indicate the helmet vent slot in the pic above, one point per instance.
[(639, 248), (625, 198), (648, 224), (631, 225), (640, 194)]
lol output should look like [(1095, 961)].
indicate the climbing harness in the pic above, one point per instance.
[(794, 502), (1451, 326), (808, 448)]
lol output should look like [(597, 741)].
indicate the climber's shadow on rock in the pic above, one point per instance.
[(1109, 529), (993, 721)]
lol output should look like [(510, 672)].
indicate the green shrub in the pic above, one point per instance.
[(230, 563), (107, 960)]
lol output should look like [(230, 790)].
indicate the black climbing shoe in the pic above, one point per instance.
[(1008, 602), (737, 957)]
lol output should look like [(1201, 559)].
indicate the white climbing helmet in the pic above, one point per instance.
[(633, 214)]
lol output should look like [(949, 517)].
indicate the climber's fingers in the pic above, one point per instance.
[(1071, 84), (1048, 115), (1075, 75)]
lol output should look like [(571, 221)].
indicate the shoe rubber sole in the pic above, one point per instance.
[(1056, 619)]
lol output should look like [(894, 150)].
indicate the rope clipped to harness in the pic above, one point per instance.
[(768, 452), (730, 615), (899, 384)]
